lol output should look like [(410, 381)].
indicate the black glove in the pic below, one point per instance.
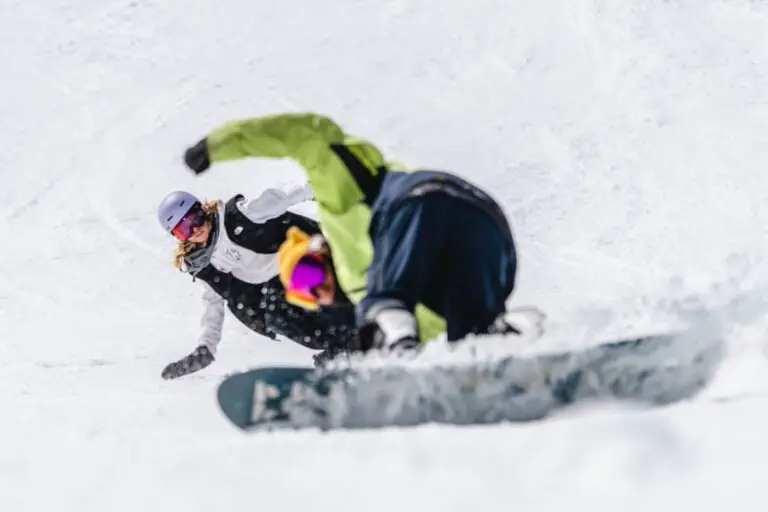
[(197, 158), (196, 361), (389, 328)]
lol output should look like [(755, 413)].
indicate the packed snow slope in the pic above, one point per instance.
[(626, 140)]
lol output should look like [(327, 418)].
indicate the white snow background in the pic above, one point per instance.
[(626, 140)]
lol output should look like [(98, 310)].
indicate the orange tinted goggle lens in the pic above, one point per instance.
[(193, 219), (179, 233)]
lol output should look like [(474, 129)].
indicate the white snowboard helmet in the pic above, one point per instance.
[(174, 207)]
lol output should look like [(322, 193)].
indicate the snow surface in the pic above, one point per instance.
[(627, 141)]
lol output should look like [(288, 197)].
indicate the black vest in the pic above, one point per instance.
[(246, 300), (266, 237)]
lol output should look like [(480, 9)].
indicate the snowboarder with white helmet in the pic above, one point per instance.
[(232, 247)]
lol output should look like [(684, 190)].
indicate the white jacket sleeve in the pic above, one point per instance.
[(213, 319), (273, 202)]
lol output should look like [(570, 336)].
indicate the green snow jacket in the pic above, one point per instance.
[(344, 173)]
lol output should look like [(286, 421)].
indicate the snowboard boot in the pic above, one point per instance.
[(524, 321)]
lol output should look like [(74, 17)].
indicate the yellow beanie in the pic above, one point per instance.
[(295, 247)]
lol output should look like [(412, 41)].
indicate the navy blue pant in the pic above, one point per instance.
[(448, 254)]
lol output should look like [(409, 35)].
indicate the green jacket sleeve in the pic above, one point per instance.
[(305, 138)]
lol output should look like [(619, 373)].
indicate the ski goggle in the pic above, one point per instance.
[(307, 276), (193, 219)]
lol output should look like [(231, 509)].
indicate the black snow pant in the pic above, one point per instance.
[(332, 330), (449, 254)]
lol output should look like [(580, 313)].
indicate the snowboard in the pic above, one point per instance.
[(651, 370)]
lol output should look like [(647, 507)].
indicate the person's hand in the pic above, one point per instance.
[(196, 361), (197, 158)]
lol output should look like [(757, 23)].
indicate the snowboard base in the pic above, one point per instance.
[(652, 370)]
